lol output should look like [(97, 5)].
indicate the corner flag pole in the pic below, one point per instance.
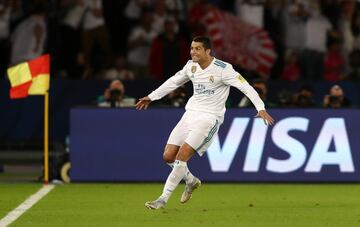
[(46, 138)]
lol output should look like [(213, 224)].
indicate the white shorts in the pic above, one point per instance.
[(198, 129)]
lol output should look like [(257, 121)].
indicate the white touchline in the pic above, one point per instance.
[(26, 205)]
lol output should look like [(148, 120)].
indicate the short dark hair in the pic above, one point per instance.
[(204, 40)]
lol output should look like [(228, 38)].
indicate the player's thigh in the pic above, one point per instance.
[(180, 132), (203, 133)]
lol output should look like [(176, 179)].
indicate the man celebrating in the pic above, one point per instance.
[(204, 114)]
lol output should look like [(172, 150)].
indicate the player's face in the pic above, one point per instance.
[(198, 52)]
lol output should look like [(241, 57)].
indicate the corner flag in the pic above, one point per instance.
[(33, 78), (30, 78)]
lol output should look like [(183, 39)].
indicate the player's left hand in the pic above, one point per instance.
[(268, 120)]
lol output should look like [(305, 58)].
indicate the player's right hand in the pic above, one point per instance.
[(143, 103)]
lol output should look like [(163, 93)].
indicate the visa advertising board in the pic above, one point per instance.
[(305, 145)]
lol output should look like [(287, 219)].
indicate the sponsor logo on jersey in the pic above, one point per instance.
[(201, 89), (193, 68)]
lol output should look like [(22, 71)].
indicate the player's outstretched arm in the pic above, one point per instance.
[(143, 103), (266, 117)]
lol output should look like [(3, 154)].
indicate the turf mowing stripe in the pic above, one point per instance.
[(26, 205)]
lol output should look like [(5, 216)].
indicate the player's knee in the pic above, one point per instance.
[(168, 157), (170, 152), (185, 153)]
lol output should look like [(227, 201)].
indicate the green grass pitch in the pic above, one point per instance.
[(212, 205)]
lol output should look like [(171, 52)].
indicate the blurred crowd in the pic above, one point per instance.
[(149, 39), (304, 97)]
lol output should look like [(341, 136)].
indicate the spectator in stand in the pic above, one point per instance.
[(331, 9), (291, 71), (295, 15), (336, 98), (347, 13), (17, 13), (139, 45), (69, 39), (196, 11), (134, 8), (34, 30), (304, 97), (355, 27), (120, 71), (177, 7), (95, 33), (132, 15), (261, 88), (114, 96), (169, 51), (316, 31), (273, 24), (160, 15), (354, 59), (284, 98), (334, 63), (5, 12), (251, 11)]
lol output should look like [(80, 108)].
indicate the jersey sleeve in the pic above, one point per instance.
[(171, 84), (232, 78)]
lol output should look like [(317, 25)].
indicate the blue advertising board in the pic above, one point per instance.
[(304, 145)]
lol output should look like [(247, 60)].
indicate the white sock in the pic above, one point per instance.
[(188, 178), (171, 164), (174, 179)]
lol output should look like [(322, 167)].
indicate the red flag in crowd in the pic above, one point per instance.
[(235, 40)]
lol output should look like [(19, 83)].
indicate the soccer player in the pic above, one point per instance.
[(204, 114)]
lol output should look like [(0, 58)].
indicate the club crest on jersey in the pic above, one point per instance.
[(211, 79), (193, 68)]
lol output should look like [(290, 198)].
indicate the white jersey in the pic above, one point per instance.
[(211, 87)]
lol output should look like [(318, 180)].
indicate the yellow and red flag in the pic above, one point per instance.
[(30, 78)]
